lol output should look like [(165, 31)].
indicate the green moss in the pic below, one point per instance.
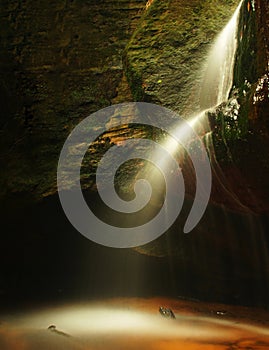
[(170, 44), (246, 57), (59, 62), (229, 133)]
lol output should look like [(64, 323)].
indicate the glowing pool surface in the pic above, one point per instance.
[(134, 324)]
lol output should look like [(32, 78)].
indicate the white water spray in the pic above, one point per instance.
[(217, 80), (215, 88), (218, 77)]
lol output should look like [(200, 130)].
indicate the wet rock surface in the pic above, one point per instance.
[(166, 312), (165, 58), (60, 61), (241, 140), (165, 63)]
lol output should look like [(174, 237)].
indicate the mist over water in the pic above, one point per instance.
[(115, 324)]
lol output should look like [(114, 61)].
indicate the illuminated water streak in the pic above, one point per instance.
[(217, 81), (219, 65), (115, 325)]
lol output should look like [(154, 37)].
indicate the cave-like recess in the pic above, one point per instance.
[(62, 60)]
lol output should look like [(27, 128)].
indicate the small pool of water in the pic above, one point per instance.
[(130, 323)]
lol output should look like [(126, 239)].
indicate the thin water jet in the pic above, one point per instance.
[(219, 66), (215, 89), (217, 80)]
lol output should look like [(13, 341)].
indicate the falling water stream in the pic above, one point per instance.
[(217, 72), (215, 89), (219, 66), (216, 84)]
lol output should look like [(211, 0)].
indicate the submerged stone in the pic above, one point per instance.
[(166, 312)]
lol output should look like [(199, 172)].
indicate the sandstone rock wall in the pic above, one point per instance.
[(165, 57), (242, 142), (60, 61)]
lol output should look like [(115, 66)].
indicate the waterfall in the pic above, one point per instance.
[(218, 71), (217, 80), (215, 89)]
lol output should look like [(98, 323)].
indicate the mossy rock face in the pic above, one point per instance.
[(251, 66), (60, 62), (165, 57), (242, 139), (161, 70), (164, 64)]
